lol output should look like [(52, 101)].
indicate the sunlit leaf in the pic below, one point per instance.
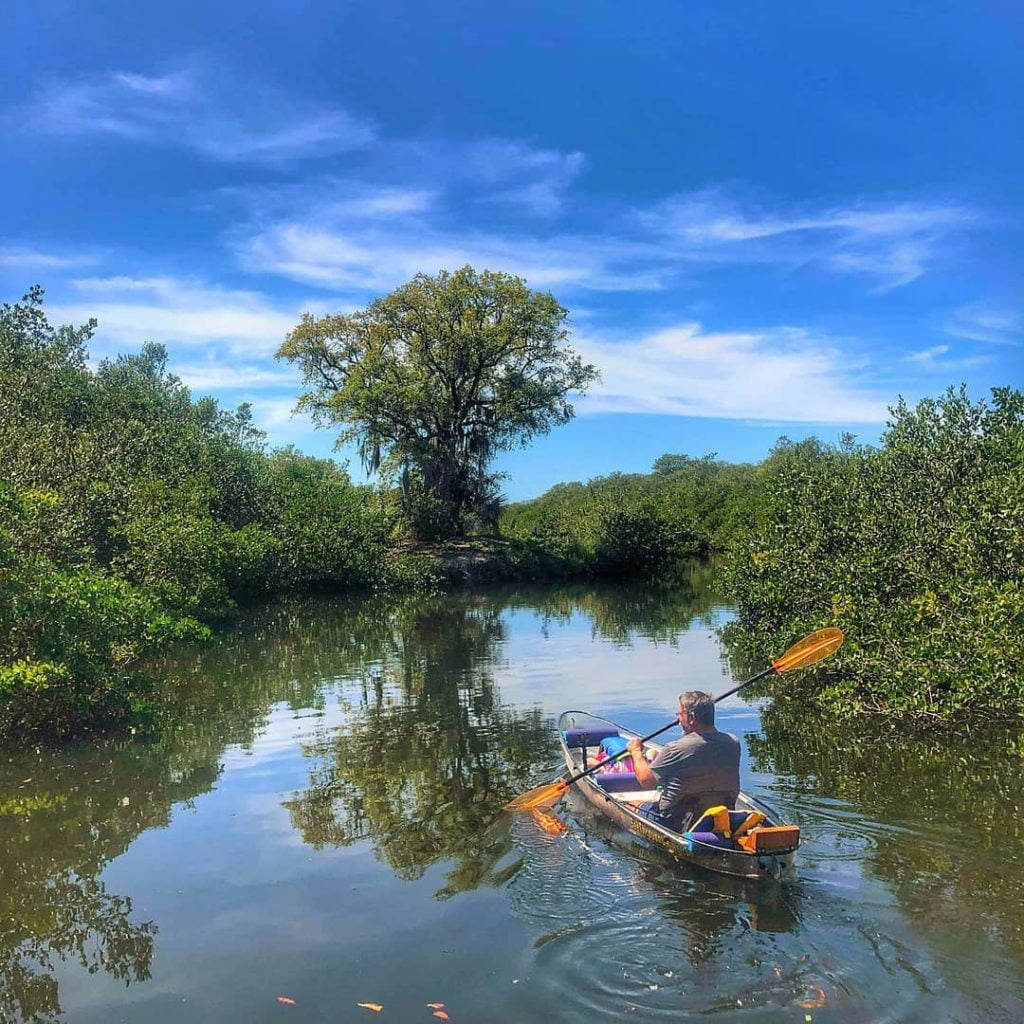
[(286, 1000), (376, 1007)]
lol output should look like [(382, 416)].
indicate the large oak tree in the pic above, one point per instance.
[(436, 378)]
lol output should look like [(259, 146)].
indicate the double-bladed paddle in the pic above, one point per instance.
[(811, 649)]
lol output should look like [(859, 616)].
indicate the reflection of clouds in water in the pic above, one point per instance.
[(568, 667)]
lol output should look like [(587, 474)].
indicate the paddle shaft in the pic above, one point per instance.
[(770, 670)]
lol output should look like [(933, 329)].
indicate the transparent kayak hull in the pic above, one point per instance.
[(622, 808)]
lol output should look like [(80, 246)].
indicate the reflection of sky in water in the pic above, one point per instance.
[(561, 665), (247, 910)]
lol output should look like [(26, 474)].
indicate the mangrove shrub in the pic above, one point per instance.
[(915, 548)]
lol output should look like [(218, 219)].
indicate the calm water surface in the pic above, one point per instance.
[(322, 821)]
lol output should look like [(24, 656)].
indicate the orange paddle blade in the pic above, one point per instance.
[(539, 797), (811, 649)]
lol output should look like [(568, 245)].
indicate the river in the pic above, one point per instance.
[(320, 825)]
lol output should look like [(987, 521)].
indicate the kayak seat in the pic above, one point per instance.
[(721, 827), (726, 822), (709, 839), (588, 737)]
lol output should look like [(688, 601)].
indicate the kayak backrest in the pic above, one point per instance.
[(588, 737), (775, 837)]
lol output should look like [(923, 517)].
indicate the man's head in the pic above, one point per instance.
[(696, 711)]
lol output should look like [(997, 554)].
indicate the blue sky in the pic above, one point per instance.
[(764, 218)]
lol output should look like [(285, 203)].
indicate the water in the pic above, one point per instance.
[(322, 822)]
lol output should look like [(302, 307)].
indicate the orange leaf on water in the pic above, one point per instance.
[(286, 1000), (818, 1002), (436, 1006), (376, 1007), (441, 1014)]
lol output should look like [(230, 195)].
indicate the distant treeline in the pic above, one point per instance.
[(636, 524)]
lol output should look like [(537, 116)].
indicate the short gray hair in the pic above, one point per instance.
[(699, 704)]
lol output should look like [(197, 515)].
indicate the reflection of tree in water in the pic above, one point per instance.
[(423, 769), (947, 841), (63, 817), (429, 757), (661, 611)]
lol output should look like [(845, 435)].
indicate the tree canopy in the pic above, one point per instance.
[(436, 378)]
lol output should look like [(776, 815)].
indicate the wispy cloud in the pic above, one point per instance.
[(419, 203), (32, 258), (927, 355), (219, 375), (323, 241), (936, 360), (201, 108), (980, 322), (499, 171), (775, 374), (368, 258), (891, 243)]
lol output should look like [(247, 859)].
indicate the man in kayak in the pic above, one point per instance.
[(698, 771)]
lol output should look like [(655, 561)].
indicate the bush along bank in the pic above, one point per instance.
[(131, 515), (915, 548)]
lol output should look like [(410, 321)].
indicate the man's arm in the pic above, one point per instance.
[(644, 775)]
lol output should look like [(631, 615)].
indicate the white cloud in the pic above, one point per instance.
[(776, 374), (343, 235), (927, 354), (937, 362), (177, 312), (514, 172), (979, 322), (340, 253), (222, 340), (202, 109), (218, 375)]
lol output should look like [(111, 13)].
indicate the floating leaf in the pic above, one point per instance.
[(436, 1006), (441, 1014), (376, 1007), (818, 1001), (286, 1000)]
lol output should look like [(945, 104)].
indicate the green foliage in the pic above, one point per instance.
[(130, 512), (916, 549), (635, 525), (69, 634), (410, 572), (436, 378), (327, 532)]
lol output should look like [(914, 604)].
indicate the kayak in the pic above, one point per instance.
[(749, 840)]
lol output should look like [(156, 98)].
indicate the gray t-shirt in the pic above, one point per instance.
[(699, 769)]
